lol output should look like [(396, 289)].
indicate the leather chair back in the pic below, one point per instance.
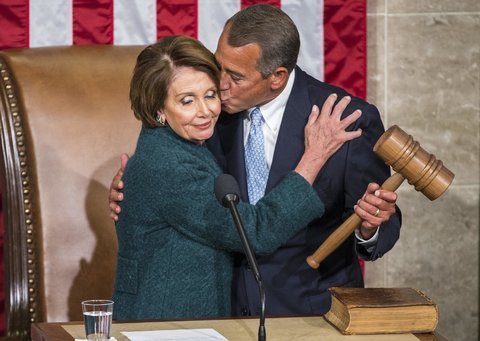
[(65, 118)]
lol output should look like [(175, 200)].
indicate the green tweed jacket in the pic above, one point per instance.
[(176, 242)]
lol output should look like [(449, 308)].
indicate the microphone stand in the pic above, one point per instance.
[(231, 201)]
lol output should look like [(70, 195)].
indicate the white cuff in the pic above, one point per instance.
[(367, 244)]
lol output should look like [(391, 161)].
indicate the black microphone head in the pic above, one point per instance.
[(226, 189)]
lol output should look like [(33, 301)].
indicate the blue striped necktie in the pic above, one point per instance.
[(255, 161)]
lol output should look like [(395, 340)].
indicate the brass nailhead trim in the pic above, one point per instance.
[(13, 105)]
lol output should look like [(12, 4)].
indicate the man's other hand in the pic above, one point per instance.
[(117, 184)]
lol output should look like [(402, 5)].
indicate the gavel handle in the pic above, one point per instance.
[(348, 226)]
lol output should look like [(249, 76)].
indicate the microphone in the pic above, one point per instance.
[(227, 193)]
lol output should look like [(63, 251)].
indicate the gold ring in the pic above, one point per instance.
[(376, 213)]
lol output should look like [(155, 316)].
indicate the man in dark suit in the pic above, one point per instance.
[(257, 51)]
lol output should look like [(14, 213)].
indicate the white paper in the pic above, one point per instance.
[(111, 339), (207, 334)]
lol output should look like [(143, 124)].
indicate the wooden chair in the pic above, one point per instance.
[(65, 118)]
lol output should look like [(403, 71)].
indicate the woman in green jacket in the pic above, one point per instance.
[(176, 242)]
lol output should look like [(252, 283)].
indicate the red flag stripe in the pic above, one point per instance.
[(246, 3), (14, 23), (92, 22), (345, 40), (177, 17)]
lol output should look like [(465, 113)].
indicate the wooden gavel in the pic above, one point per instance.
[(409, 161)]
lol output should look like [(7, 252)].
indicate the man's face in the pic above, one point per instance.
[(241, 86)]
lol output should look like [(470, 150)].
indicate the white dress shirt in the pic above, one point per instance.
[(272, 113)]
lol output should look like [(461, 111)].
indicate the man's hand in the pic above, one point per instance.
[(374, 208), (117, 184)]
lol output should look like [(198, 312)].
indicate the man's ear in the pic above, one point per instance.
[(278, 78)]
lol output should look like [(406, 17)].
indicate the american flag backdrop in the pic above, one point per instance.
[(332, 32)]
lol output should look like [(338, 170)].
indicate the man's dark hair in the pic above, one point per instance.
[(270, 28)]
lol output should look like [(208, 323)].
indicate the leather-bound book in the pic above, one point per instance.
[(381, 311)]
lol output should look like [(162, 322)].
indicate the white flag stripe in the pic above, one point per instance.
[(50, 22), (134, 22), (212, 15), (308, 16)]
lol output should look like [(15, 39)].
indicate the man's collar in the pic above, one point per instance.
[(273, 107)]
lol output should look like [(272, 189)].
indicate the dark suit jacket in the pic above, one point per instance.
[(292, 287)]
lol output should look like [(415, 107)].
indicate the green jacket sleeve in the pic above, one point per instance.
[(189, 205)]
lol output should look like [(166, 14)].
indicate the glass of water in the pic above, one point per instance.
[(97, 316)]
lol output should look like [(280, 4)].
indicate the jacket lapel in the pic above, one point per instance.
[(231, 136), (290, 142)]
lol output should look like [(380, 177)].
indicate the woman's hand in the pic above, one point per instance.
[(325, 134)]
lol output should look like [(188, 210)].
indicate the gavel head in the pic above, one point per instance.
[(421, 169)]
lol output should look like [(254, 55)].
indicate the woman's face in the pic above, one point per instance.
[(192, 105)]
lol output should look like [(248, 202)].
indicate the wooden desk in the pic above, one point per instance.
[(278, 329)]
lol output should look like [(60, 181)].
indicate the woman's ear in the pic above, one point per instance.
[(278, 78)]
